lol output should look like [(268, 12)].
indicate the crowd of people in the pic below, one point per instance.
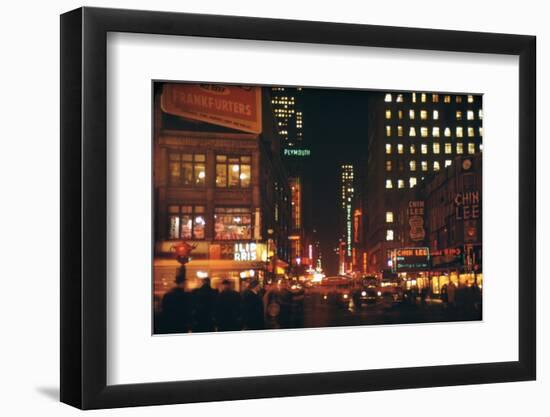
[(206, 309)]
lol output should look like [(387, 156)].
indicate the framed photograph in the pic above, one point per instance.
[(257, 208)]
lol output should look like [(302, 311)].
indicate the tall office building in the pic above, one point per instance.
[(288, 111), (347, 193), (412, 137)]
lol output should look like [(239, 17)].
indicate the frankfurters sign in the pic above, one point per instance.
[(235, 107)]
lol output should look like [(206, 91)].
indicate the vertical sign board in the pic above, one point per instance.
[(415, 212), (235, 107)]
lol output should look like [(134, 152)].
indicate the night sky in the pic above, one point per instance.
[(335, 126)]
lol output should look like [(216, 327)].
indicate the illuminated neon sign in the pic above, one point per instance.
[(297, 152)]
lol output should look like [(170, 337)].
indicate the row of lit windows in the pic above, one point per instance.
[(436, 131), (436, 148), (413, 166), (470, 114), (423, 97)]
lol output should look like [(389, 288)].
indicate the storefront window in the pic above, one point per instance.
[(186, 222), (232, 223), (233, 171), (187, 169)]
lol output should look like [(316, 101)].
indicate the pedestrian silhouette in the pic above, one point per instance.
[(176, 308), (204, 300), (253, 307), (228, 308)]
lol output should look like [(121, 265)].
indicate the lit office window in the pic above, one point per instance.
[(412, 149), (480, 114), (436, 166), (187, 169), (435, 98), (423, 97), (388, 166), (459, 131), (389, 234), (435, 115), (458, 99), (400, 114), (424, 165), (412, 165), (388, 114), (471, 148), (399, 130), (387, 98), (400, 184), (414, 97), (480, 131), (388, 148), (448, 148), (470, 115), (471, 132), (470, 98), (399, 98), (459, 148), (412, 182), (389, 216), (411, 114), (435, 131), (480, 147), (435, 147), (233, 171), (448, 163), (424, 149), (458, 115), (389, 184), (388, 130), (412, 131), (399, 148), (447, 99), (424, 132), (423, 115), (447, 132)]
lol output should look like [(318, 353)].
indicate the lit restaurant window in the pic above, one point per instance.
[(387, 98), (186, 222), (389, 216), (389, 234), (232, 223), (233, 171)]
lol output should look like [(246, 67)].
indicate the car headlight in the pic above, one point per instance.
[(345, 296), (363, 293), (379, 293), (324, 297)]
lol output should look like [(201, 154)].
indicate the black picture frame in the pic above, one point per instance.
[(84, 207)]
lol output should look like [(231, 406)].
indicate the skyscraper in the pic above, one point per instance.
[(412, 136)]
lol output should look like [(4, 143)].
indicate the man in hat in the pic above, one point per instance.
[(228, 308), (253, 307), (176, 308)]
